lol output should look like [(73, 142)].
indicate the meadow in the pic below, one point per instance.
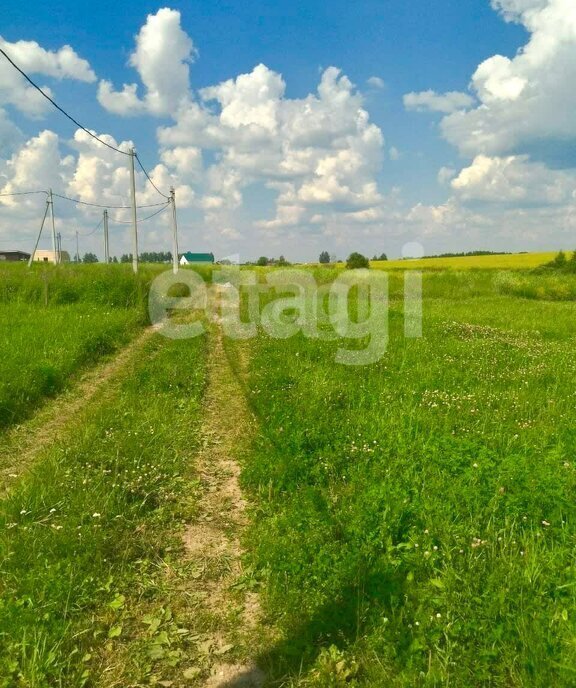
[(85, 535), (514, 261), (414, 520), (55, 322)]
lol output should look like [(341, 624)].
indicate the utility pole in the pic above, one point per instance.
[(134, 216), (174, 231), (106, 245), (59, 245), (54, 248), (77, 248), (39, 233)]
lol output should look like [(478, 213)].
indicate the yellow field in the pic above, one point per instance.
[(508, 262)]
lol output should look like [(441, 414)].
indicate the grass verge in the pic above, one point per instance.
[(88, 531)]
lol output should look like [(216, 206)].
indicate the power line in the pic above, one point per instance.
[(101, 205), (29, 80), (91, 232), (129, 222), (24, 193), (148, 176)]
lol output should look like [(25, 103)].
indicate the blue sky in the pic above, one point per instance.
[(437, 180)]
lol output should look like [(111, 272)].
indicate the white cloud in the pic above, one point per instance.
[(60, 64), (316, 152), (514, 180), (231, 233), (438, 102), (375, 82), (161, 58), (36, 166), (526, 100), (33, 59)]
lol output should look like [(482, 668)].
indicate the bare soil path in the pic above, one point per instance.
[(215, 537), (21, 444)]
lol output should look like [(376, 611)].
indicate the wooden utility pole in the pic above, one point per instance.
[(106, 244), (39, 233), (134, 216), (174, 231), (54, 247)]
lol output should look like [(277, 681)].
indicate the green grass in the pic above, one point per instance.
[(42, 348), (86, 536), (414, 520), (57, 321)]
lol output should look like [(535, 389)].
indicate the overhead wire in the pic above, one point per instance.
[(75, 121), (102, 205), (23, 193), (148, 177), (143, 219), (93, 231), (99, 140)]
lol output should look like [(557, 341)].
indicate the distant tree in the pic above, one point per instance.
[(262, 261), (324, 257), (383, 256), (90, 258), (114, 260), (356, 261), (126, 258), (282, 261), (156, 257), (560, 260)]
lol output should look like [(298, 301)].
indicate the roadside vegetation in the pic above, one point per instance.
[(87, 534), (56, 322)]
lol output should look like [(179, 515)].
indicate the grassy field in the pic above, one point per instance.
[(414, 520), (86, 535), (517, 261), (56, 322)]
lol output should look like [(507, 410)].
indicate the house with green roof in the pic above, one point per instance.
[(188, 258)]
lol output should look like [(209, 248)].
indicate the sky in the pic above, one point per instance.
[(294, 128)]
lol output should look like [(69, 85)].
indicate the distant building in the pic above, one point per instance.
[(14, 256), (188, 257), (50, 256)]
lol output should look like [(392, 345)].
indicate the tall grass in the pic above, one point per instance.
[(414, 520), (86, 534)]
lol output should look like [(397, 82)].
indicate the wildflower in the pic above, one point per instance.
[(96, 515), (545, 523)]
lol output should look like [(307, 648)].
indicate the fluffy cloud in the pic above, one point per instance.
[(316, 152), (526, 102), (36, 166), (161, 58), (33, 59), (438, 102), (514, 180)]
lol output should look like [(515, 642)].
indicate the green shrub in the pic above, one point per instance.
[(356, 261)]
